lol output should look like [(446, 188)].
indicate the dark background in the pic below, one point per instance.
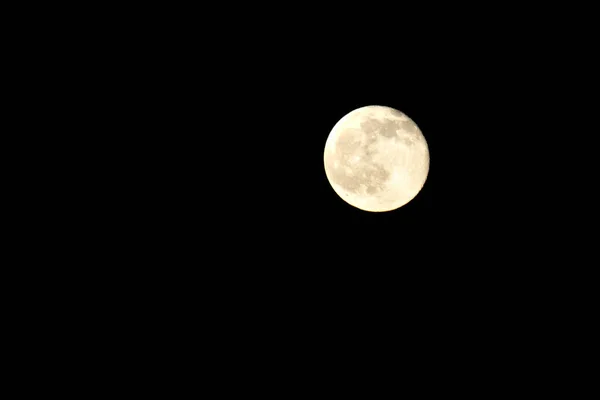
[(207, 194), (218, 131), (241, 151), (177, 215), (236, 131), (191, 195)]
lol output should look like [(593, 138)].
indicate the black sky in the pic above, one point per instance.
[(237, 166), (225, 130), (236, 129), (207, 209)]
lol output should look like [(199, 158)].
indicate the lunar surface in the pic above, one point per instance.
[(376, 158)]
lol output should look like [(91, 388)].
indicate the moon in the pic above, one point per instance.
[(376, 158)]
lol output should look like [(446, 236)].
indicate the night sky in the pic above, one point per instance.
[(244, 174), (237, 165), (213, 214)]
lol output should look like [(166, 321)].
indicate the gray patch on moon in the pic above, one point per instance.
[(372, 189), (370, 175), (369, 150), (389, 129), (408, 126), (406, 139), (370, 125), (348, 141), (370, 140), (396, 113)]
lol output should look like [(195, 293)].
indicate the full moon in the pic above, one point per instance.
[(376, 158)]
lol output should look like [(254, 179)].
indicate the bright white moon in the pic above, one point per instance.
[(376, 158)]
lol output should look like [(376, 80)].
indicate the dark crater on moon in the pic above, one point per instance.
[(387, 129), (405, 139), (370, 125), (408, 126), (396, 113), (366, 174), (349, 141), (370, 175)]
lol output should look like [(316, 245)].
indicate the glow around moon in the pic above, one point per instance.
[(376, 158)]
